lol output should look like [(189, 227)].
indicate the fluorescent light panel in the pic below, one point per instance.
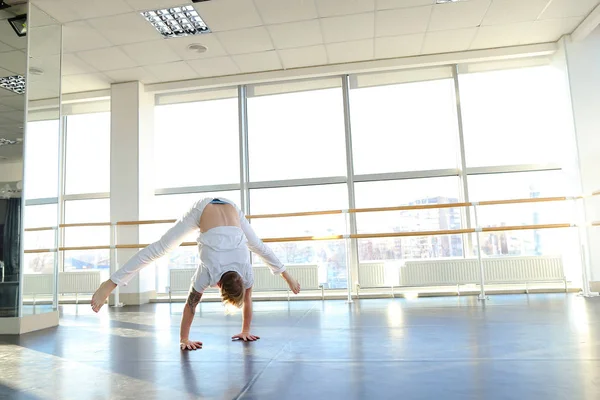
[(15, 83), (176, 21)]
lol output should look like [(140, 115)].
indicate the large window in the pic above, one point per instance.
[(41, 159), (296, 135), (37, 217), (404, 127), (329, 255), (84, 211), (88, 154), (516, 116), (409, 192), (196, 144)]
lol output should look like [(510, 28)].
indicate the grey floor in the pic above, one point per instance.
[(511, 347)]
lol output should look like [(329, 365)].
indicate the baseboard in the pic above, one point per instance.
[(28, 323), (135, 299)]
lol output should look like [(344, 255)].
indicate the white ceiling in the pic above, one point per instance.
[(108, 41)]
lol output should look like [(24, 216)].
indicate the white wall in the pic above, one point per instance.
[(583, 63)]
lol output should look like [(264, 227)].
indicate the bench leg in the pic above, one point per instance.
[(76, 298), (288, 292), (322, 292), (458, 289), (566, 289), (526, 287), (358, 290)]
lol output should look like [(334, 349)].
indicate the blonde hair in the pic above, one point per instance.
[(232, 289)]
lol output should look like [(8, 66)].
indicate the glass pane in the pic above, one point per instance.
[(88, 153), (84, 211), (41, 160), (40, 217), (296, 135), (517, 185), (518, 116), (328, 255), (406, 127), (409, 192), (197, 144)]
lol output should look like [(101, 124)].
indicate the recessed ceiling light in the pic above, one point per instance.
[(197, 48), (13, 83), (176, 21)]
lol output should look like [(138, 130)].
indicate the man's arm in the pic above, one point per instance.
[(186, 321), (247, 319)]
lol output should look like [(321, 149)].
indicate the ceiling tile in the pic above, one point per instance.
[(125, 28), (180, 46), (101, 8), (252, 40), (550, 30), (177, 71), (509, 11), (464, 14), (398, 46), (14, 61), (61, 10), (387, 4), (296, 34), (347, 28), (155, 52), (448, 41), (303, 57), (37, 18), (350, 51), (488, 37), (111, 58), (4, 47), (281, 11), (79, 36), (14, 101), (256, 62), (568, 8), (131, 74), (227, 15), (143, 5), (85, 82), (219, 66), (73, 65), (402, 21), (330, 8)]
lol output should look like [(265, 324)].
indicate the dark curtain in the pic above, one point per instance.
[(12, 240)]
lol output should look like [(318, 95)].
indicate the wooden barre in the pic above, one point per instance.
[(84, 224), (40, 251), (411, 234), (408, 208), (596, 193), (297, 214), (45, 228), (75, 248), (525, 227), (149, 222), (522, 201), (596, 223)]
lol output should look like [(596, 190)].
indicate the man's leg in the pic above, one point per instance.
[(100, 296)]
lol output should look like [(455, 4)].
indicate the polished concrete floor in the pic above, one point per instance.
[(512, 347)]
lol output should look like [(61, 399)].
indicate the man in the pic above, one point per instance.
[(224, 240)]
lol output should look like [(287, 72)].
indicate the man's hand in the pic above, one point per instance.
[(187, 344), (245, 336)]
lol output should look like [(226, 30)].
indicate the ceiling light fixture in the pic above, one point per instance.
[(176, 21), (36, 71), (15, 83), (447, 1), (19, 24)]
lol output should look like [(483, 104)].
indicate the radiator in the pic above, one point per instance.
[(180, 280), (378, 274), (78, 282), (307, 276), (38, 284), (496, 270)]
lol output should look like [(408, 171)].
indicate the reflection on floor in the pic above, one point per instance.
[(542, 346)]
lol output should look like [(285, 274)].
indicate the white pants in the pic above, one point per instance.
[(188, 223)]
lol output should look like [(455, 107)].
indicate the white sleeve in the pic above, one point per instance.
[(257, 246), (187, 224)]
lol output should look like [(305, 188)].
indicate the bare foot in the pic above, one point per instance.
[(292, 283), (99, 298)]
